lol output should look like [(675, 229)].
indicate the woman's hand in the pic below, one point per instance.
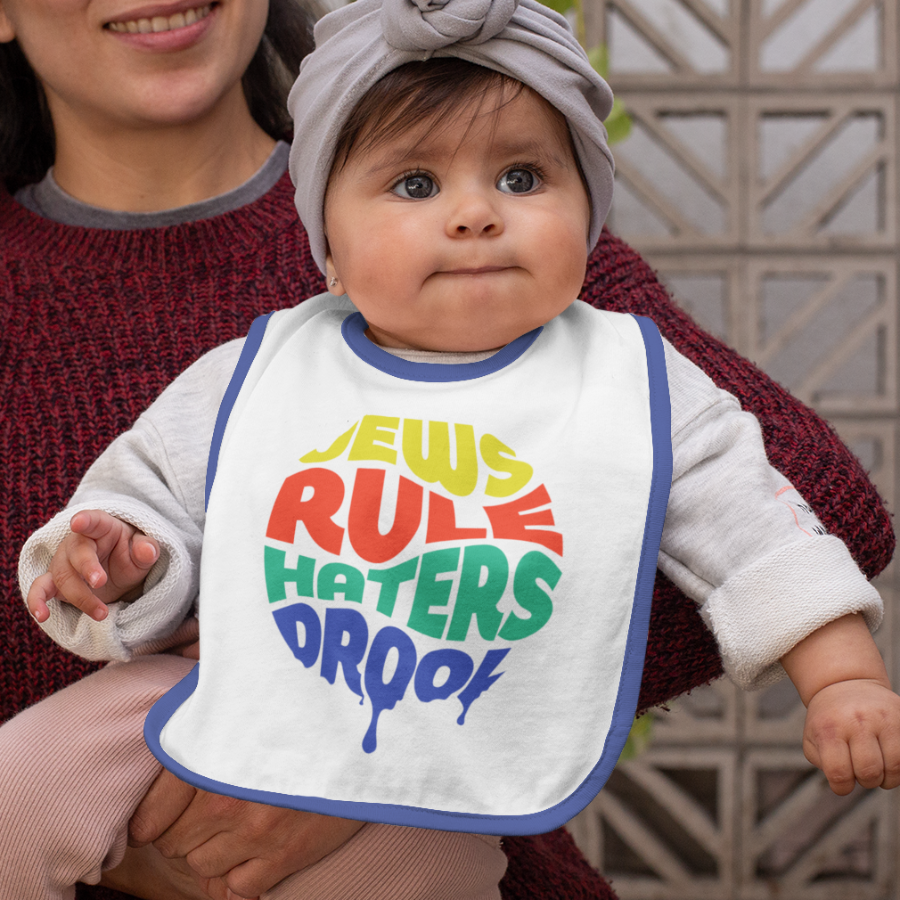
[(237, 848), (102, 560)]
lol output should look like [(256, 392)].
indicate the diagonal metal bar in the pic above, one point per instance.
[(683, 808), (780, 16), (817, 141), (651, 196), (792, 810), (654, 36), (683, 154), (848, 345), (719, 27), (813, 220), (801, 318), (636, 834), (824, 850), (847, 21)]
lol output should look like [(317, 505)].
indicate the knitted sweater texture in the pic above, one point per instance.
[(93, 325)]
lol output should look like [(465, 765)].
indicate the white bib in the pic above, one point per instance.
[(425, 588)]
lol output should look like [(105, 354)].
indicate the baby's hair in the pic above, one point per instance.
[(416, 93), (426, 92)]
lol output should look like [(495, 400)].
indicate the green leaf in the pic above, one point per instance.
[(598, 57), (638, 737), (561, 6), (618, 123)]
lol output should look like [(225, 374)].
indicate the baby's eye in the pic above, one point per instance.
[(416, 187), (518, 181)]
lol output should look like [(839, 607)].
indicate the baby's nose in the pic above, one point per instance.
[(474, 215)]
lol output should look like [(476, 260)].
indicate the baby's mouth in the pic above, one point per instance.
[(157, 24), (476, 270)]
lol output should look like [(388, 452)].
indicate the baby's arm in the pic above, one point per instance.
[(852, 730), (102, 560), (151, 478), (740, 541), (776, 591)]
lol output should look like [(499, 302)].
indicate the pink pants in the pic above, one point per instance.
[(74, 767)]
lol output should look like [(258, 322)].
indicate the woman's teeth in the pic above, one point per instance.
[(163, 23)]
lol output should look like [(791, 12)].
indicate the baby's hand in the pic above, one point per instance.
[(852, 733), (102, 560)]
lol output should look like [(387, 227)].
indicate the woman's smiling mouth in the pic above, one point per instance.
[(157, 24)]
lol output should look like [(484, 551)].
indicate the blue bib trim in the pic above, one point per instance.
[(354, 331), (633, 666), (252, 343)]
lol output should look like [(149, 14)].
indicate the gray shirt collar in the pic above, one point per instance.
[(49, 200)]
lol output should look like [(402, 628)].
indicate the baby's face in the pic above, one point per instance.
[(461, 235)]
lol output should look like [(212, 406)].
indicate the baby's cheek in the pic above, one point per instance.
[(570, 263)]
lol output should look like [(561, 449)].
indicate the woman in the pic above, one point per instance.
[(165, 225)]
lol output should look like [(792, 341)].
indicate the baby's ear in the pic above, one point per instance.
[(334, 283)]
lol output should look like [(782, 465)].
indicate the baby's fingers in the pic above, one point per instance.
[(833, 758), (112, 556), (868, 761), (42, 589), (852, 733), (75, 569), (889, 738), (79, 553), (128, 565), (95, 524), (144, 551)]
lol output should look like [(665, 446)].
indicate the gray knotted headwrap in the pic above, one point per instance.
[(358, 44)]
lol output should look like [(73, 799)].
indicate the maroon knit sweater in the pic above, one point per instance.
[(93, 324)]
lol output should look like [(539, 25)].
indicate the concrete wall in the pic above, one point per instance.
[(760, 181)]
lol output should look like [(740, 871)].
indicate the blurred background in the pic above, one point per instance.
[(756, 150), (759, 178)]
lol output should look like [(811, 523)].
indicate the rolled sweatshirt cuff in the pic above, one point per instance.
[(165, 603), (769, 607)]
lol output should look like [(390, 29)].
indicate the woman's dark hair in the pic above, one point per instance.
[(287, 38), (27, 145)]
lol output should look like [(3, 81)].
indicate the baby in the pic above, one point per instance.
[(446, 480)]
